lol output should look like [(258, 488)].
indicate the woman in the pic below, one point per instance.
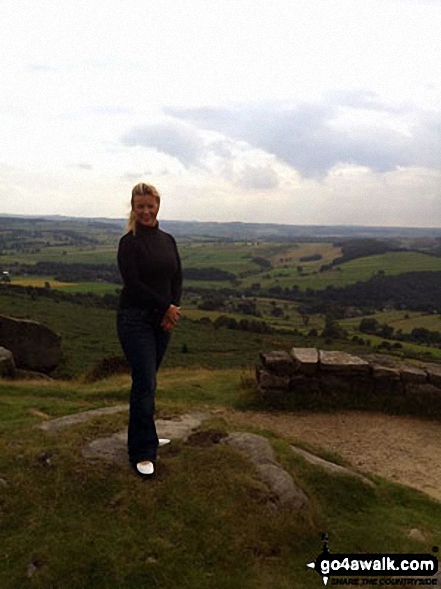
[(148, 310)]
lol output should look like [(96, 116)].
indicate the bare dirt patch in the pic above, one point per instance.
[(401, 449)]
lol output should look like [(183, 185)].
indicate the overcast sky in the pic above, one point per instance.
[(296, 111)]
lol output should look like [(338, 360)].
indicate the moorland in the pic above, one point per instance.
[(247, 289)]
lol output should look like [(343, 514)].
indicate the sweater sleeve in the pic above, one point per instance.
[(176, 286), (128, 267)]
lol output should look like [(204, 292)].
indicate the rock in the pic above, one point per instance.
[(342, 362), (330, 466), (114, 448), (7, 364), (423, 399), (383, 360), (3, 483), (33, 345), (180, 427), (385, 372), (280, 483), (389, 395), (417, 535), (363, 387), (413, 374), (324, 379), (304, 385), (61, 422), (306, 359), (335, 385), (434, 374), (111, 448), (257, 448), (33, 567), (278, 362), (31, 570)]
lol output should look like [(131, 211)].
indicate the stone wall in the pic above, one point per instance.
[(307, 378)]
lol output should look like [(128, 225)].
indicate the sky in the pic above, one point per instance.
[(317, 112)]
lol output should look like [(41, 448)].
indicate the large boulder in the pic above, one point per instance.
[(33, 345)]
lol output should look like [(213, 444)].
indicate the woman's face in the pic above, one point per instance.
[(145, 208)]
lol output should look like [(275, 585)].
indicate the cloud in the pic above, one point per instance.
[(174, 138), (217, 157), (82, 166), (347, 128), (41, 67), (254, 177)]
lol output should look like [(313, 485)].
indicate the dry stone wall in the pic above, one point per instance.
[(307, 378)]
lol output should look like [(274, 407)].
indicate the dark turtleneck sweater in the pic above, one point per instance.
[(150, 267)]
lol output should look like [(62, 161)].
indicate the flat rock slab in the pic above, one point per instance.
[(385, 372), (342, 362), (280, 483), (257, 448), (114, 448), (55, 425), (330, 466), (413, 374), (180, 427), (306, 359)]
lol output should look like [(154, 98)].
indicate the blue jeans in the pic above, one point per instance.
[(144, 344)]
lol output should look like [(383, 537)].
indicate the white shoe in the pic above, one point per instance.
[(146, 467), (163, 442)]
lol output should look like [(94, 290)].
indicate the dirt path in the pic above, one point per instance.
[(405, 450)]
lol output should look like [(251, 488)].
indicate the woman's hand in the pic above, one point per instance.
[(171, 317)]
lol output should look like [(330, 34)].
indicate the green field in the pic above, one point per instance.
[(65, 254), (350, 272), (404, 320), (293, 257)]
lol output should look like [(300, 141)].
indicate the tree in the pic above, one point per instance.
[(368, 325)]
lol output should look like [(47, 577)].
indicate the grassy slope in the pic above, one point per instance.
[(202, 523), (89, 334)]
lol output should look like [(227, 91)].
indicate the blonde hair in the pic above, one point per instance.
[(143, 190)]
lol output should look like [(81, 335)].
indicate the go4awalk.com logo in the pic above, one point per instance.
[(361, 569)]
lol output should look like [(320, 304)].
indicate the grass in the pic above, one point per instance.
[(89, 334), (99, 288), (67, 254), (233, 257), (404, 320), (292, 257), (202, 523), (237, 257), (361, 269)]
